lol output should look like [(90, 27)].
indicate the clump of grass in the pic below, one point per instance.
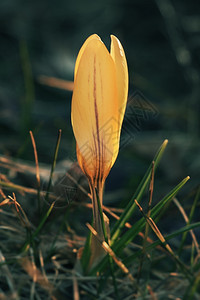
[(43, 257)]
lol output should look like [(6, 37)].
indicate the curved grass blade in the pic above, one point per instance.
[(190, 293), (156, 230), (37, 170), (131, 258), (146, 232), (194, 205), (139, 225), (107, 242), (137, 195), (120, 244)]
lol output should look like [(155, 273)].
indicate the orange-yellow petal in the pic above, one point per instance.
[(91, 37), (118, 55), (95, 110)]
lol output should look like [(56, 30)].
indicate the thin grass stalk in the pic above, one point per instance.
[(194, 205), (186, 219), (22, 217), (76, 295), (137, 195), (192, 288), (53, 164), (155, 229), (37, 170), (168, 237), (151, 186), (139, 225)]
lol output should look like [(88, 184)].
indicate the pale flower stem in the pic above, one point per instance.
[(96, 214), (97, 252), (100, 192)]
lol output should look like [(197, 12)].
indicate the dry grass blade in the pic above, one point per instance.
[(182, 211), (107, 248), (2, 194), (37, 169), (42, 265), (127, 224), (152, 294), (164, 242), (38, 277), (6, 272), (20, 212), (21, 166), (18, 187), (5, 202), (34, 276), (4, 182), (57, 83), (155, 229), (151, 186), (36, 159), (75, 287)]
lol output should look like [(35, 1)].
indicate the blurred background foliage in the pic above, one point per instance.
[(161, 39)]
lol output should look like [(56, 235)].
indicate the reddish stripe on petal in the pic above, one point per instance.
[(98, 152)]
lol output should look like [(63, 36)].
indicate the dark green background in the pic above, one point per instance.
[(162, 41)]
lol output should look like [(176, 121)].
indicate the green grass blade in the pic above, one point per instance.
[(193, 287), (39, 228), (131, 233), (119, 245), (102, 218), (196, 267), (137, 195), (194, 205), (86, 253), (129, 260), (42, 222), (158, 233), (106, 239)]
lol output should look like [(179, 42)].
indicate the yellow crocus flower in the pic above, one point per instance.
[(98, 106)]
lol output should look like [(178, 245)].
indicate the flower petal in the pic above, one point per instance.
[(118, 55), (95, 110), (91, 37)]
